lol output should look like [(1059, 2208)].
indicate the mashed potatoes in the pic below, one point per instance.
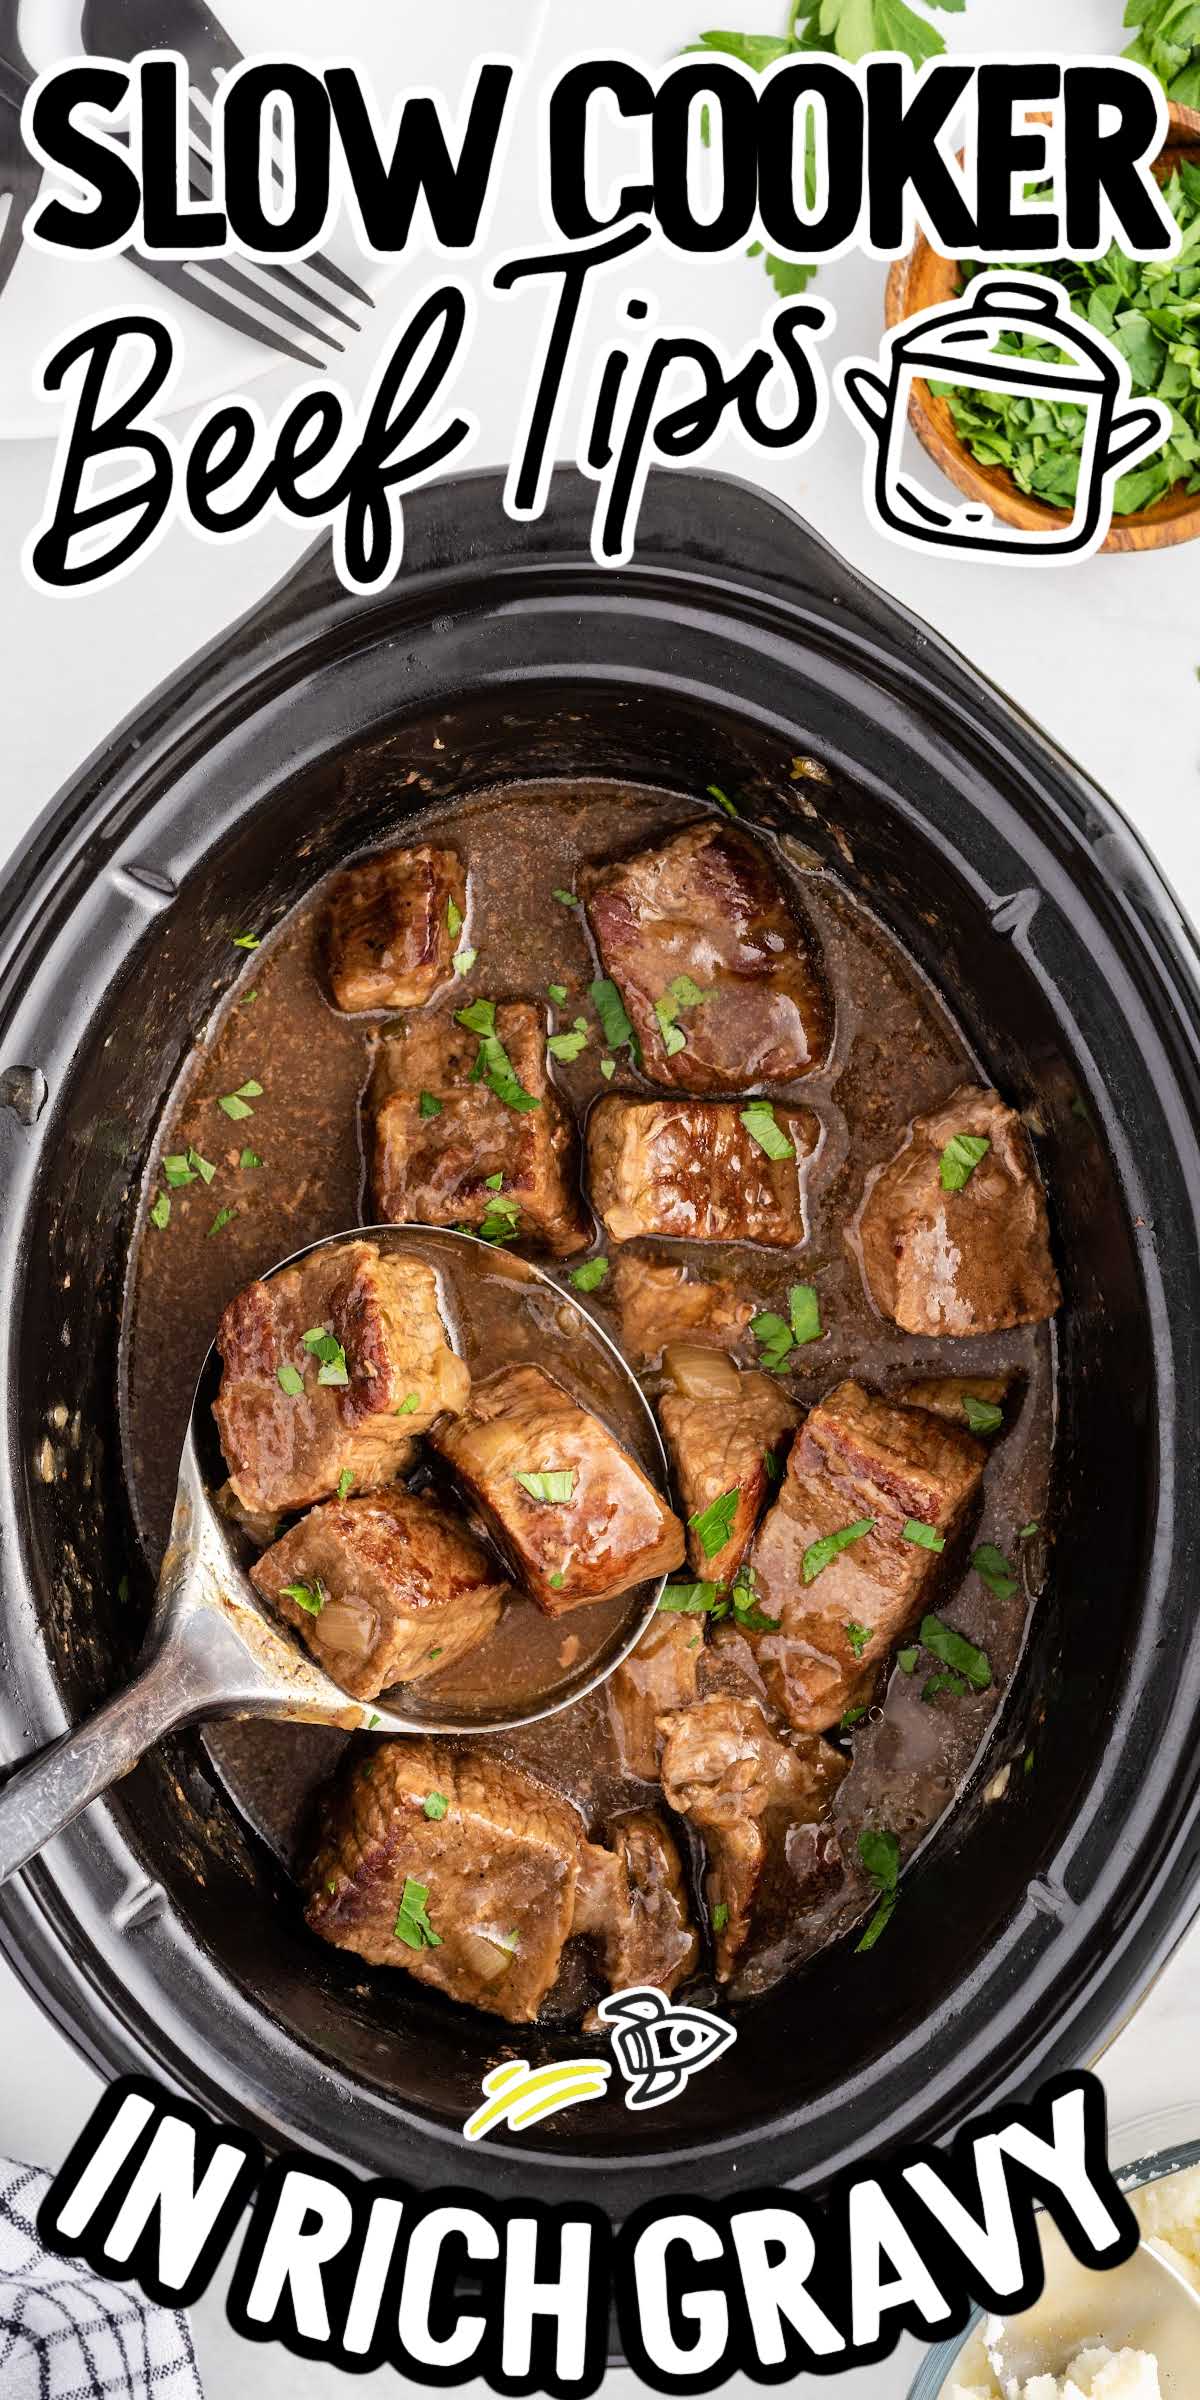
[(1094, 2375)]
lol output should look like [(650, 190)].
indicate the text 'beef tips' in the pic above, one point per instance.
[(469, 1129), (657, 1304), (384, 1589), (846, 1554), (747, 1792), (569, 1508), (727, 1434), (700, 1170), (659, 1675), (392, 927), (471, 1876), (328, 1368), (954, 1233), (720, 981)]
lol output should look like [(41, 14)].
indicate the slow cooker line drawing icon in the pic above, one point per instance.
[(955, 342)]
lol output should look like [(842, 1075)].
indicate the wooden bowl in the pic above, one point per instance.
[(925, 277)]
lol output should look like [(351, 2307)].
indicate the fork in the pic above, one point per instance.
[(244, 293)]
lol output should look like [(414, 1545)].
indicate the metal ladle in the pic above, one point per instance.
[(213, 1648)]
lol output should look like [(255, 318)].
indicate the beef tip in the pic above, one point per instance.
[(632, 1898), (973, 1260), (659, 1675), (727, 1434), (476, 1896), (857, 1458), (721, 982), (691, 1169), (318, 1361), (658, 1304), (443, 1132), (388, 928), (592, 1526), (947, 1395), (384, 1589), (744, 1789)]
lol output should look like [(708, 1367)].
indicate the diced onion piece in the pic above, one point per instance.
[(700, 1373)]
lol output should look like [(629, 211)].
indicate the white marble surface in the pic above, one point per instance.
[(1105, 656)]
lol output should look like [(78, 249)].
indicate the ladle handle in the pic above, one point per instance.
[(42, 1797)]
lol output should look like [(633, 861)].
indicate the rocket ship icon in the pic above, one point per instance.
[(658, 2044)]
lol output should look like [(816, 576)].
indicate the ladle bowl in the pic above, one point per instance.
[(213, 1647)]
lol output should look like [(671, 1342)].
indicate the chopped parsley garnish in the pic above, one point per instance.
[(857, 1635), (435, 1805), (412, 1924), (454, 917), (345, 1483), (510, 1941), (771, 1467), (311, 1597), (949, 1681), (778, 1336), (463, 961), (722, 799), (556, 1581), (494, 1183), (714, 1524), (290, 1380), (926, 1537), (746, 1610), (982, 1416), (248, 999), (590, 1275), (565, 899), (760, 1123), (568, 1045), (821, 1554), (720, 1916), (434, 1653), (852, 1716), (184, 1166), (681, 992), (250, 1158), (610, 1008), (245, 941), (493, 1065), (160, 1210), (608, 1068), (557, 992), (1025, 1533), (328, 1349), (428, 1105), (221, 1218), (995, 1570), (407, 1405), (880, 1855), (500, 1221), (235, 1103), (373, 1720), (689, 1599), (960, 1158), (906, 1659), (547, 1483), (955, 1651)]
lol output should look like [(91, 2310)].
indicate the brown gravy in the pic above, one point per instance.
[(896, 1053)]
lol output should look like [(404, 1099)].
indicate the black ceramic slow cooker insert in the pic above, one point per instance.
[(158, 1933)]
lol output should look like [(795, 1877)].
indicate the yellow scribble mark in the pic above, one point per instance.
[(522, 2096)]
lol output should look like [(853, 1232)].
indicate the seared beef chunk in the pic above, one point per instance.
[(446, 1861), (721, 983), (659, 1304), (318, 1362), (569, 1507), (746, 1791), (384, 1589), (727, 1434), (389, 937), (843, 1595), (957, 1397), (633, 1899), (971, 1259), (692, 1169), (446, 1126), (658, 1676)]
